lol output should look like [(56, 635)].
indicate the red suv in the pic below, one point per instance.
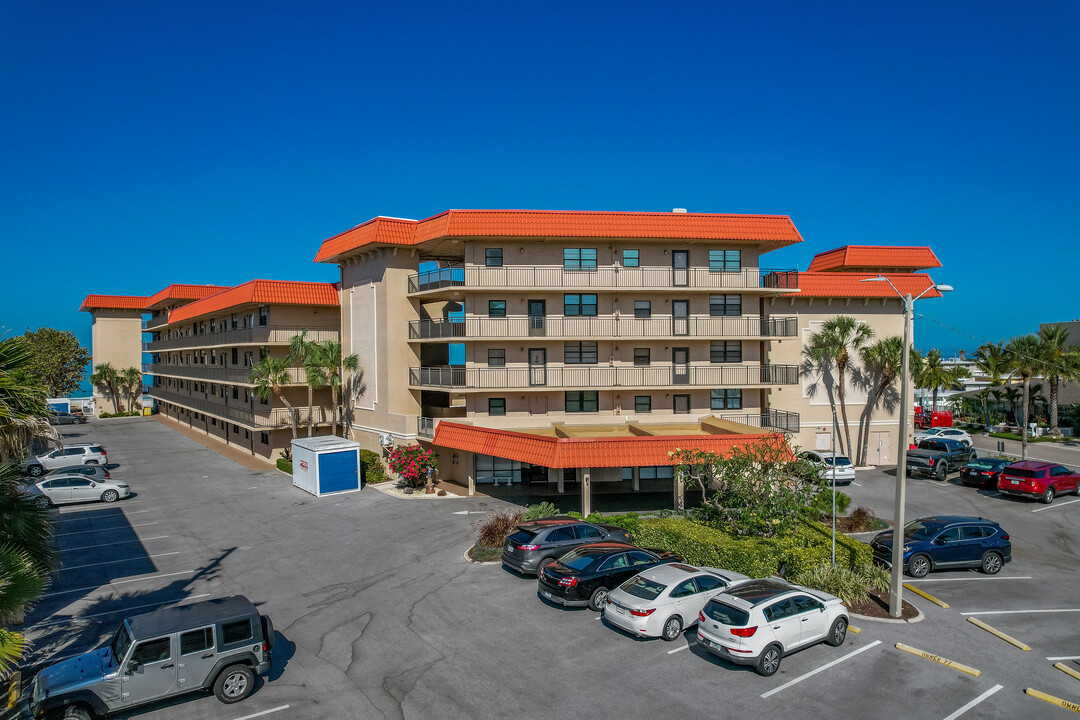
[(1038, 479)]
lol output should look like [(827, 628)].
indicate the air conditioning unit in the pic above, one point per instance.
[(386, 440)]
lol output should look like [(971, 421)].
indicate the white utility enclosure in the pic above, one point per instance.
[(326, 465)]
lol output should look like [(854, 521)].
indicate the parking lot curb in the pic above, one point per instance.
[(997, 633), (1053, 700), (945, 662), (479, 562), (918, 618)]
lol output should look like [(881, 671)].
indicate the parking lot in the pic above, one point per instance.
[(379, 615)]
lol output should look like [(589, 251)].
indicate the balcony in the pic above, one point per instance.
[(604, 326), (766, 419), (258, 335), (156, 321), (215, 373), (425, 427), (240, 412), (520, 277), (592, 377)]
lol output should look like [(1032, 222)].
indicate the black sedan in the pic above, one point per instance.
[(983, 472), (56, 417), (583, 576)]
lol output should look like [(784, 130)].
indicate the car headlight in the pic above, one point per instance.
[(907, 548)]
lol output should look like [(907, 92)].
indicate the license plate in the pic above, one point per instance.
[(548, 595), (620, 609), (1015, 482)]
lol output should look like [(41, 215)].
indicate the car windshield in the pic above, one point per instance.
[(933, 431), (521, 537), (643, 588), (920, 530), (726, 614), (1023, 472), (120, 643), (984, 464), (580, 559), (840, 461)]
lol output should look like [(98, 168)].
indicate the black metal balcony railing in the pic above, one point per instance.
[(258, 335), (776, 419), (256, 415), (590, 377), (531, 277), (603, 326), (214, 373)]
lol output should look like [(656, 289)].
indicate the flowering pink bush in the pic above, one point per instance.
[(411, 463)]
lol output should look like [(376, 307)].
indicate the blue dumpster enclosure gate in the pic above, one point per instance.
[(326, 465)]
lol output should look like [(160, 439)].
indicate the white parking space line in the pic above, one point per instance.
[(973, 577), (118, 542), (1055, 505), (114, 527), (974, 702), (1021, 612), (153, 576), (264, 712), (856, 484), (1064, 657), (820, 669), (118, 610), (684, 647), (113, 562), (66, 510)]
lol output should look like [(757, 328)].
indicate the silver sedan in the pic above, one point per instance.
[(73, 488)]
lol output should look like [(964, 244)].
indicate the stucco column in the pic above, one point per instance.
[(471, 473), (586, 491), (637, 479), (680, 497), (554, 475), (562, 480)]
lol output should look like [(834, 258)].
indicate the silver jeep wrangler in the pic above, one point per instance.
[(215, 644)]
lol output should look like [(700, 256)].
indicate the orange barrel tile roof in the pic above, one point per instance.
[(182, 292), (772, 231), (866, 258), (585, 452), (849, 285), (261, 292), (113, 302)]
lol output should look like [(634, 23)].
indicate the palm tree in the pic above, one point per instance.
[(21, 584), (106, 379), (838, 338), (131, 381), (883, 362), (1025, 361), (335, 366), (23, 412), (1060, 363), (934, 374), (270, 376), (302, 352), (990, 359)]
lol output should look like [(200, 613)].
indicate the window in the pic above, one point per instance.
[(587, 532), (725, 351), (725, 399), (235, 351), (725, 260), (973, 532), (496, 357), (949, 536), (681, 404), (806, 604), (264, 314), (684, 589), (575, 304), (579, 258), (725, 305), (496, 406), (642, 309), (561, 534), (656, 472), (643, 403), (236, 429), (580, 353), (779, 611), (641, 356), (496, 308), (705, 583), (234, 321), (196, 640), (630, 258), (236, 631), (616, 562), (235, 393), (152, 651), (582, 401), (264, 438), (493, 257)]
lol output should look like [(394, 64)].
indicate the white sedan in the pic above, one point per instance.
[(73, 488), (947, 433), (664, 600), (834, 466)]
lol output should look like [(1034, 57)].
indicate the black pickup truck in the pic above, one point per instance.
[(938, 457)]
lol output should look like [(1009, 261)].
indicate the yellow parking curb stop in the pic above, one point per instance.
[(854, 629), (1063, 668), (1053, 700), (940, 660), (993, 631), (928, 596), (13, 689)]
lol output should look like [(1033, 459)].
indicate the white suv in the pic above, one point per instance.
[(76, 454), (758, 622)]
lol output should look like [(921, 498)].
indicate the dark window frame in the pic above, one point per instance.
[(643, 308), (579, 304), (581, 401), (642, 353), (629, 260), (583, 352), (579, 259), (675, 404), (496, 357), (494, 309), (725, 261), (726, 399), (647, 403), (723, 305), (494, 404), (725, 351), (493, 257)]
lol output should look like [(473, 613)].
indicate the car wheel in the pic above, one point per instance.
[(75, 712), (92, 462), (43, 502), (837, 633), (110, 496), (919, 566), (672, 628), (1048, 494), (234, 684), (769, 661), (942, 472), (36, 470), (598, 598), (974, 454), (991, 563)]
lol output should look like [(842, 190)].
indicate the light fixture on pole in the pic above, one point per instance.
[(896, 601)]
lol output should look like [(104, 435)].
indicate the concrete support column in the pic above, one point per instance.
[(637, 479), (586, 491), (562, 480), (554, 475), (680, 497), (471, 473)]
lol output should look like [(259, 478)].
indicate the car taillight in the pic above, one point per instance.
[(744, 632), (266, 648), (701, 616), (528, 547), (931, 462), (986, 472), (607, 600), (643, 613), (1005, 536), (568, 581)]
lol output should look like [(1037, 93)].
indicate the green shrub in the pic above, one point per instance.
[(284, 465), (823, 502), (495, 528), (628, 521), (878, 577), (374, 470), (843, 582), (541, 511), (849, 551)]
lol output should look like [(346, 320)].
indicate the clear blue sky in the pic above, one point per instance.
[(155, 142)]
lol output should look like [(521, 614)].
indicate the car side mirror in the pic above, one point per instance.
[(937, 541), (133, 667)]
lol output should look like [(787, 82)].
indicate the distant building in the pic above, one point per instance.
[(116, 337)]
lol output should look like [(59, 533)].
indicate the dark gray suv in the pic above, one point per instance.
[(534, 544)]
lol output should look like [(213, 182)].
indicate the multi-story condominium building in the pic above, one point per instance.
[(204, 341), (116, 329), (556, 348)]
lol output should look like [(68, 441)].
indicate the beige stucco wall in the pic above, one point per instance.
[(116, 338)]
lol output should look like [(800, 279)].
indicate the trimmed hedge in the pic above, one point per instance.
[(629, 522), (374, 470), (284, 465), (809, 547)]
